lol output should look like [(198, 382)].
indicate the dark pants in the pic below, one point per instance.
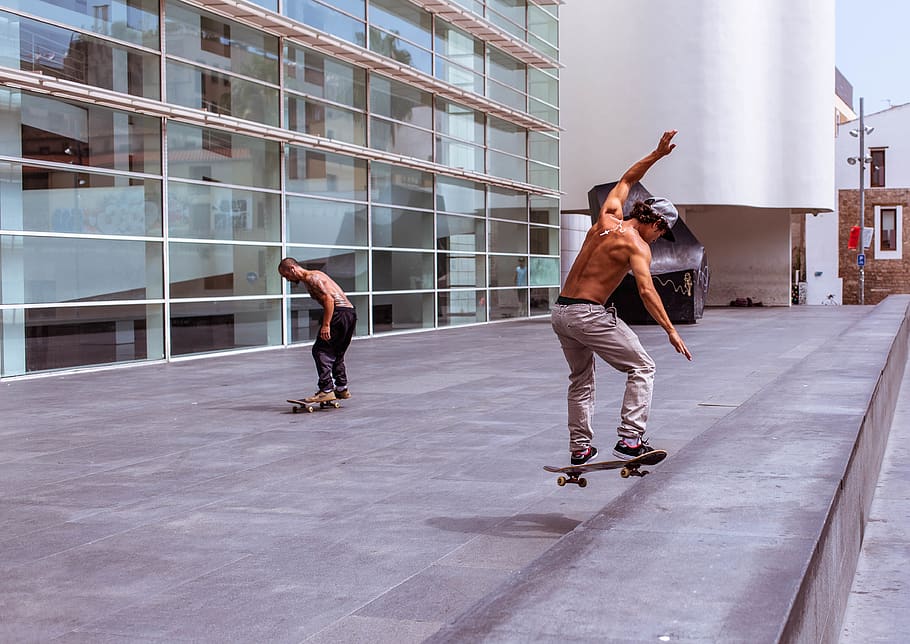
[(329, 356)]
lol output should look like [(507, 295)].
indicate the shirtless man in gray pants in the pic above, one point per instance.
[(585, 326)]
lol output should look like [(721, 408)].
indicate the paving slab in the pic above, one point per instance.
[(185, 501)]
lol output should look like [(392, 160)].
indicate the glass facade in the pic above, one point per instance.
[(129, 235)]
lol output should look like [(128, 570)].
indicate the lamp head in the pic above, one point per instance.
[(851, 160)]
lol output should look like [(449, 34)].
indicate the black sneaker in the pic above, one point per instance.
[(626, 453), (585, 455)]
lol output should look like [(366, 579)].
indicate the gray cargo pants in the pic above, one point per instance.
[(588, 329)]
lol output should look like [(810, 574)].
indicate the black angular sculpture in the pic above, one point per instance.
[(680, 269)]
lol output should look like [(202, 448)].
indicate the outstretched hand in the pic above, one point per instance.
[(665, 147)]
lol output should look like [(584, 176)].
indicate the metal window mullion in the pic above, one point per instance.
[(165, 229)]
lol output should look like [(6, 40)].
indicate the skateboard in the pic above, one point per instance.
[(629, 468), (310, 406)]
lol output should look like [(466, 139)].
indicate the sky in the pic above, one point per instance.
[(873, 51)]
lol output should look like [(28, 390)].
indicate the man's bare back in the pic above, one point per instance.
[(319, 285), (604, 260)]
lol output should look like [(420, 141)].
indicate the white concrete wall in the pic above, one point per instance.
[(758, 268), (749, 86), (821, 259)]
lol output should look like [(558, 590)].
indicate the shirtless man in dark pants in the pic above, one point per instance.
[(338, 322), (586, 326)]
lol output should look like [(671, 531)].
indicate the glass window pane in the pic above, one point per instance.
[(508, 270), (398, 228), (545, 26), (544, 241), (403, 312), (543, 175), (400, 50), (349, 268), (459, 47), (545, 211), (328, 20), (401, 139), (403, 18), (508, 14), (37, 270), (218, 93), (402, 271), (327, 121), (459, 122), (544, 271), (506, 137), (48, 200), (60, 53), (508, 303), (44, 339), (223, 270), (49, 129), (458, 76), (134, 21), (509, 71), (306, 318), (543, 111), (457, 154), (201, 327), (400, 102), (326, 174), (462, 307), (333, 223), (206, 154), (543, 148), (508, 237), (466, 234), (459, 196), (312, 73), (542, 86), (213, 41), (399, 186), (211, 212), (542, 300), (888, 232), (508, 166), (458, 271), (508, 204)]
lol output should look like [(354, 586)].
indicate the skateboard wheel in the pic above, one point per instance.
[(336, 405), (625, 473), (310, 409), (295, 409), (582, 482), (561, 481)]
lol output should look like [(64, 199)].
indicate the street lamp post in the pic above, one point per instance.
[(862, 160)]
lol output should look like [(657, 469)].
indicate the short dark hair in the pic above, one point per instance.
[(287, 263)]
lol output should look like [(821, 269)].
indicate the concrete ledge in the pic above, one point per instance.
[(750, 533)]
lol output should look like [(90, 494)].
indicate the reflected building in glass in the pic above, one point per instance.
[(158, 159)]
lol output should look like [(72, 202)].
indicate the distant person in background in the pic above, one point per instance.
[(339, 319), (521, 279)]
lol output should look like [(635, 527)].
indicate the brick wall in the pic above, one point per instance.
[(884, 276)]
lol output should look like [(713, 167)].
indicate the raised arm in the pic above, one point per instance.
[(612, 205)]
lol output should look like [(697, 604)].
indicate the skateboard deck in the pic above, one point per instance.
[(310, 405), (628, 468)]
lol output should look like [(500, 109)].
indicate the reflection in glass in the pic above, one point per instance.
[(134, 21), (404, 19), (326, 174), (460, 196), (544, 271), (543, 175), (328, 20), (327, 121), (403, 311), (507, 270), (349, 268), (508, 303), (542, 300), (223, 270), (457, 154), (315, 74), (201, 327), (217, 93), (459, 271), (44, 339), (38, 270), (544, 241), (508, 166), (332, 223), (401, 139), (508, 204), (210, 40), (306, 318), (508, 237), (68, 55), (545, 210), (459, 122), (49, 129), (47, 200), (543, 147), (210, 212), (462, 307), (465, 234), (400, 186), (399, 228), (402, 271), (206, 154)]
